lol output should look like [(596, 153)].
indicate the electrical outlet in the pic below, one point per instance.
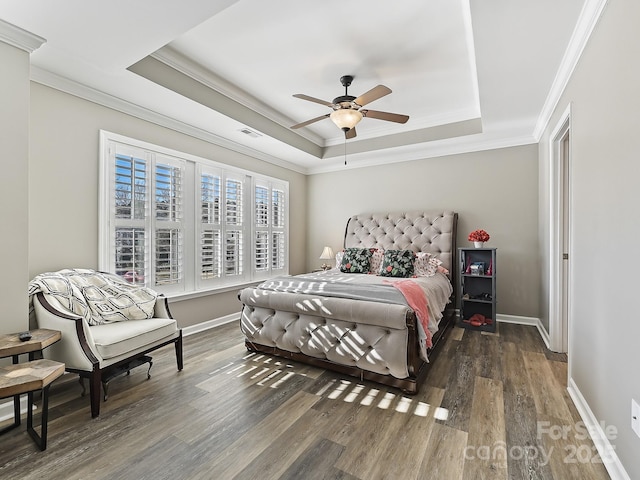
[(635, 417)]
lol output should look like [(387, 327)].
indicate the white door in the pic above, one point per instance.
[(560, 242), (564, 233)]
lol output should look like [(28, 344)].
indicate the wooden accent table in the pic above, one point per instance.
[(29, 377), (11, 346)]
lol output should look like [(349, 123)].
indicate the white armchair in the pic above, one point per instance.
[(96, 351)]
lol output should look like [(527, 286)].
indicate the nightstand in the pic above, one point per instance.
[(477, 267)]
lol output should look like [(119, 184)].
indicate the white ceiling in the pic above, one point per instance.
[(471, 74)]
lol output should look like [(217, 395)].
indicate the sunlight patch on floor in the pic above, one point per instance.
[(441, 414), (385, 403), (274, 373), (338, 390), (350, 398), (370, 397)]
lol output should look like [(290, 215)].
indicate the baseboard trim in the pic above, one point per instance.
[(216, 322), (545, 336), (517, 319), (6, 408), (603, 445)]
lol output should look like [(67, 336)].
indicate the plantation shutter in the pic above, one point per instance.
[(261, 228), (278, 260), (269, 229), (210, 258), (169, 227), (129, 197), (233, 231)]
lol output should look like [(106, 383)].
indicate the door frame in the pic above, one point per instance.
[(560, 203)]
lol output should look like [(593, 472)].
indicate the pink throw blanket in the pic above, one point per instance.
[(417, 300)]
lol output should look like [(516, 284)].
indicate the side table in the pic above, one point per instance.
[(12, 346), (27, 378)]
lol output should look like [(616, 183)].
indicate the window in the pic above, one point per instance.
[(180, 224)]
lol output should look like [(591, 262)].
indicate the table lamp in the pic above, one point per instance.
[(327, 254)]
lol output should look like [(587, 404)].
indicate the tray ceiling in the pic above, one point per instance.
[(470, 74)]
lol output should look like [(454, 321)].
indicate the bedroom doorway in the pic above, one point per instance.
[(560, 235)]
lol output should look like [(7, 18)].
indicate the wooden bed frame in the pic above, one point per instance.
[(427, 231)]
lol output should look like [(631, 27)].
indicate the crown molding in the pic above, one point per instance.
[(589, 16), (19, 38), (79, 90)]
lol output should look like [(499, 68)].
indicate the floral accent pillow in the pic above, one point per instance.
[(377, 257), (356, 260), (434, 266), (426, 265), (397, 263)]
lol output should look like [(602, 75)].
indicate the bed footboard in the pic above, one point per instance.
[(368, 352), (375, 339)]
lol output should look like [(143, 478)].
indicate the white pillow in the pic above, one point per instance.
[(425, 265), (376, 262)]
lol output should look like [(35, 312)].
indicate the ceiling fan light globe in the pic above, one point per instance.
[(346, 118)]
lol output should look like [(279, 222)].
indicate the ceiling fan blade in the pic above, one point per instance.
[(389, 117), (313, 120), (350, 133), (313, 99), (373, 94)]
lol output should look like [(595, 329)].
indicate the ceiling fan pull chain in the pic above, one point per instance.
[(345, 151)]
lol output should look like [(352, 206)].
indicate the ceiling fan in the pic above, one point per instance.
[(347, 109)]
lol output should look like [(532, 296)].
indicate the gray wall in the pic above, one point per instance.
[(604, 327), (496, 190), (63, 189), (14, 181)]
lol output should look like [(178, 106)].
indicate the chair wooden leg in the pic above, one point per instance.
[(95, 382), (178, 346)]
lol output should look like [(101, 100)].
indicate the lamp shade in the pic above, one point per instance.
[(346, 118), (327, 253)]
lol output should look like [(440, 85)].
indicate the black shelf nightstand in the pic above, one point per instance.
[(477, 268)]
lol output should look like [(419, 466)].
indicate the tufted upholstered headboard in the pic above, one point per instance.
[(426, 231)]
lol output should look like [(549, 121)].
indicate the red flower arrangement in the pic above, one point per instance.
[(479, 236)]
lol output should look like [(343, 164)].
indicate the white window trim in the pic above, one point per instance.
[(192, 284)]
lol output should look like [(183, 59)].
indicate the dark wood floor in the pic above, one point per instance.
[(491, 407)]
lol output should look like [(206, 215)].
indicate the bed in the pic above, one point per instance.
[(368, 325)]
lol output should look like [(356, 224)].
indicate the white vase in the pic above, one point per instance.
[(478, 244)]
